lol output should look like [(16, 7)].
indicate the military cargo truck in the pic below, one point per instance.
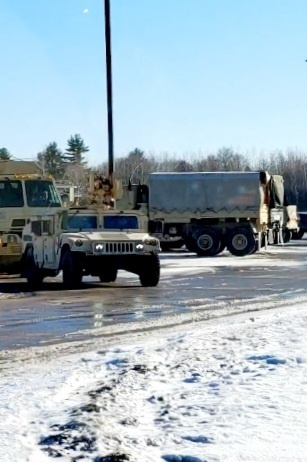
[(209, 211), (213, 210), (24, 192)]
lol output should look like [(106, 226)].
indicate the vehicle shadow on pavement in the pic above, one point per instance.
[(17, 287)]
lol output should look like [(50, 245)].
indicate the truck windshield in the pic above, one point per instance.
[(42, 194), (11, 194), (120, 222), (82, 222)]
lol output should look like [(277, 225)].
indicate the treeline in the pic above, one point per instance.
[(70, 165), (291, 164)]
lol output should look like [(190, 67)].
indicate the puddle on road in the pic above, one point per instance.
[(65, 320), (57, 316)]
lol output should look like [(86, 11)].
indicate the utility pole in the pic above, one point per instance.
[(109, 88)]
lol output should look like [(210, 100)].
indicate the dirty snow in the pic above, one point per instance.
[(214, 388), (232, 389)]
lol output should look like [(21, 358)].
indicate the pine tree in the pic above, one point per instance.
[(76, 149), (51, 160), (4, 154)]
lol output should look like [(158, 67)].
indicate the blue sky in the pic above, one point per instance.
[(189, 75)]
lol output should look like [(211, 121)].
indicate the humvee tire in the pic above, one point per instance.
[(72, 269), (109, 275), (32, 273), (150, 273)]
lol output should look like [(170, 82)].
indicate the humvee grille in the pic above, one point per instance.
[(119, 247)]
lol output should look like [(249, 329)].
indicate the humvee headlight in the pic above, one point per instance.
[(78, 242), (139, 247), (99, 247), (151, 241)]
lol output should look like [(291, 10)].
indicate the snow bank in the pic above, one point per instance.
[(233, 389)]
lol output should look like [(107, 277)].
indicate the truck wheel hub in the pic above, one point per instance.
[(205, 242), (239, 242)]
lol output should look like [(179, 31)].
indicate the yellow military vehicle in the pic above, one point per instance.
[(24, 192)]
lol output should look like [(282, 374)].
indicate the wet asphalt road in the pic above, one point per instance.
[(53, 315)]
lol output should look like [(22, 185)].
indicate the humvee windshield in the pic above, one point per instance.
[(82, 222), (42, 194), (120, 222), (11, 194)]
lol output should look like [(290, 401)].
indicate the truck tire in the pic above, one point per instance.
[(150, 273), (71, 269), (222, 246), (301, 233), (275, 237), (109, 275), (294, 235), (189, 243), (255, 249), (241, 242), (207, 242), (32, 273), (286, 234), (297, 235)]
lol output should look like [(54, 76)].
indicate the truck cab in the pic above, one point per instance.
[(22, 196)]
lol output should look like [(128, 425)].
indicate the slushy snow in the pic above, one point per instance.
[(229, 389)]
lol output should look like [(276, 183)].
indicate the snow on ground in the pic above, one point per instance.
[(232, 389), (272, 257)]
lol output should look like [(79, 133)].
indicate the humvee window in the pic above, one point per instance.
[(42, 194), (82, 222), (120, 222), (11, 194)]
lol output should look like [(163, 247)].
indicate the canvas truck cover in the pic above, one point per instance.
[(207, 194)]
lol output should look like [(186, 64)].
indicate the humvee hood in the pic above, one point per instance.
[(108, 236)]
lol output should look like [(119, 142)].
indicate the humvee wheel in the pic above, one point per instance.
[(72, 270), (150, 273), (32, 273), (108, 276)]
